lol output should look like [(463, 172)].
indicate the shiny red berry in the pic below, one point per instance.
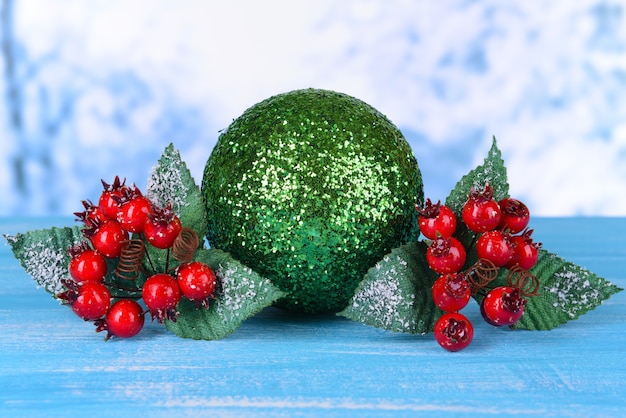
[(525, 251), (93, 301), (436, 219), (496, 247), (446, 255), (453, 331), (162, 227), (86, 265), (108, 201), (161, 295), (481, 212), (124, 319), (514, 215), (91, 214), (502, 306), (107, 238), (134, 209), (89, 300), (451, 292), (196, 281)]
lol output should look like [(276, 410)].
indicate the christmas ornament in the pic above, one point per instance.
[(314, 196), (310, 189)]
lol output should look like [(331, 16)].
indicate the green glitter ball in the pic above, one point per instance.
[(311, 188)]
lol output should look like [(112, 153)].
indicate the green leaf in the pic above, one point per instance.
[(243, 294), (395, 294), (492, 170), (44, 256), (566, 292), (171, 181)]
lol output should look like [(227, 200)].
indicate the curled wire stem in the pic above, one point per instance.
[(481, 273), (185, 245), (131, 258), (527, 283)]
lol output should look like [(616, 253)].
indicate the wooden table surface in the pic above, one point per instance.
[(280, 364)]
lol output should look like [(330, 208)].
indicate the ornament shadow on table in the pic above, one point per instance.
[(308, 203)]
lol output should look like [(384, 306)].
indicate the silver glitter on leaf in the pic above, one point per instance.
[(395, 294), (44, 256)]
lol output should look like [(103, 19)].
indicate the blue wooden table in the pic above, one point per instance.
[(280, 364)]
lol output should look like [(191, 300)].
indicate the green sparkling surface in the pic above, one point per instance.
[(311, 188)]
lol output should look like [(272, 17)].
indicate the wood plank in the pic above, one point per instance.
[(283, 364)]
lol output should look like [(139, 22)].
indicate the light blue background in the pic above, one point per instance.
[(104, 86)]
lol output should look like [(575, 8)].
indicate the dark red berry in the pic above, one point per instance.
[(502, 306), (453, 331), (525, 251), (481, 212), (496, 247), (107, 238), (124, 319), (514, 215), (162, 227), (196, 281), (108, 202), (161, 295), (86, 265), (451, 292), (436, 219), (134, 209), (445, 255), (91, 214)]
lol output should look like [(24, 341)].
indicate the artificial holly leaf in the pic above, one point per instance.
[(395, 294), (44, 256), (171, 181), (492, 171), (566, 292), (242, 294)]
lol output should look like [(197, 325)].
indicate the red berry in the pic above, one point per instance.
[(481, 212), (525, 251), (108, 202), (162, 227), (86, 265), (107, 238), (445, 255), (502, 306), (453, 331), (161, 295), (451, 292), (93, 301), (196, 281), (514, 215), (89, 300), (496, 247), (436, 219), (134, 209), (124, 319), (91, 214)]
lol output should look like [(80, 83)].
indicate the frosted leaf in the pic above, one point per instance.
[(491, 171), (44, 255), (171, 181), (243, 294), (567, 291), (395, 293)]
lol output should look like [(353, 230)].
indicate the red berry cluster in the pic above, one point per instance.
[(494, 225), (116, 231)]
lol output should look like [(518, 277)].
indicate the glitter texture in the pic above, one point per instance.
[(310, 189)]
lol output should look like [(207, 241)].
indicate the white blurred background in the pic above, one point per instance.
[(94, 89)]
